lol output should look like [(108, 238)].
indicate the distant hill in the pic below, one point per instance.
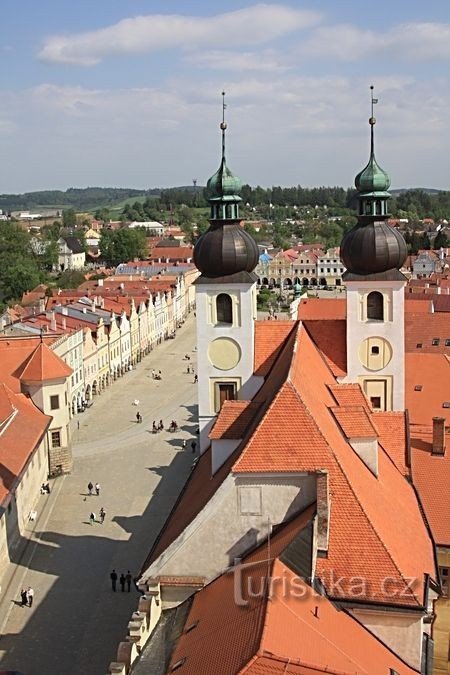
[(80, 199), (428, 191)]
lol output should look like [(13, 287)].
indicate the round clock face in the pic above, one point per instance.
[(375, 353), (224, 353)]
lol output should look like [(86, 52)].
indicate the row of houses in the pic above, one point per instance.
[(104, 328)]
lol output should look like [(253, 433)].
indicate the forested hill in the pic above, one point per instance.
[(79, 199)]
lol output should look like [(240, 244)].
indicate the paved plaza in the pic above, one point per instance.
[(76, 621)]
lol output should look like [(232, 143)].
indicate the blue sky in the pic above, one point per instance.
[(128, 93)]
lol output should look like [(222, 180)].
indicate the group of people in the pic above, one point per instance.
[(173, 426), (27, 595), (93, 517), (156, 375), (157, 427), (123, 579), (91, 487)]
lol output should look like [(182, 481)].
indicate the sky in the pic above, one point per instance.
[(128, 94)]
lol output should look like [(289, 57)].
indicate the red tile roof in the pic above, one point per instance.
[(427, 387), (355, 421), (349, 394), (19, 439), (43, 365), (322, 308), (14, 352), (441, 303), (331, 338), (392, 436), (298, 434), (420, 331), (298, 631), (270, 337), (233, 420)]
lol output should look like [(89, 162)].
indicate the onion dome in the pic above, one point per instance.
[(372, 248), (372, 178), (225, 249), (223, 184)]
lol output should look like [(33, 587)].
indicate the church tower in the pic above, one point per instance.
[(226, 256), (373, 253)]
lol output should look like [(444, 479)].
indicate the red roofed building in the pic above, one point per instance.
[(29, 367), (23, 464)]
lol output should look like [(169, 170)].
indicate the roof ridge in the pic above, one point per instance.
[(344, 474)]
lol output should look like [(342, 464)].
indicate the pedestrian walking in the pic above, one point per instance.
[(195, 378), (122, 582), (153, 373), (160, 426), (78, 425), (102, 515), (193, 446), (24, 597), (113, 577), (92, 518), (138, 417), (97, 489), (183, 444), (90, 487), (154, 428), (30, 596), (128, 579)]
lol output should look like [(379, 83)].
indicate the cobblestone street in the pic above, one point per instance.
[(76, 620)]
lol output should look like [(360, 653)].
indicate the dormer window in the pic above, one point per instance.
[(224, 308), (375, 306)]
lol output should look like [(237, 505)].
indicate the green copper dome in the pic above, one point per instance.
[(372, 178), (224, 184)]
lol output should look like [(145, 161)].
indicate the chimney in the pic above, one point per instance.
[(64, 323), (100, 282), (53, 321), (438, 436)]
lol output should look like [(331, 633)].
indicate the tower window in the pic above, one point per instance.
[(375, 306), (375, 350), (224, 308)]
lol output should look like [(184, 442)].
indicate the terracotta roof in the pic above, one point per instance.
[(322, 308), (298, 631), (427, 387), (19, 439), (6, 407), (415, 304), (14, 352), (354, 421), (423, 332), (441, 303), (392, 436), (269, 339), (331, 338), (43, 365), (171, 252), (233, 420), (299, 434), (349, 394)]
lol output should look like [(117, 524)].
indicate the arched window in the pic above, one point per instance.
[(375, 306), (224, 307)]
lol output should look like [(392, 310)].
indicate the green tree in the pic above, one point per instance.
[(440, 241), (71, 279), (19, 267), (120, 246), (69, 218)]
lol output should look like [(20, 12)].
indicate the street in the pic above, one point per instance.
[(76, 621)]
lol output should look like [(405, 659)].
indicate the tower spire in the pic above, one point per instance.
[(223, 125), (372, 122)]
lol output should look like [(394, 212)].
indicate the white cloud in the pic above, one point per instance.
[(254, 25), (266, 60), (409, 41), (285, 129)]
